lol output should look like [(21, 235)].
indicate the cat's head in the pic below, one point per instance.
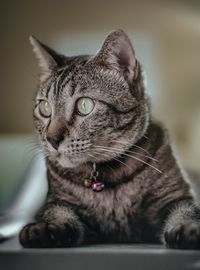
[(90, 108)]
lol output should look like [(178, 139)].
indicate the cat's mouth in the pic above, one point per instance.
[(80, 151), (73, 153)]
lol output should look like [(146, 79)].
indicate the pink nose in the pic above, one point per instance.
[(55, 140), (56, 132)]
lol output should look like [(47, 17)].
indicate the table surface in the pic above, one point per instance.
[(97, 257)]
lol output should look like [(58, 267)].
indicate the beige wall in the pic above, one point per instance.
[(174, 28)]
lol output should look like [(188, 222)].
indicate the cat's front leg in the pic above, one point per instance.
[(59, 227), (182, 228)]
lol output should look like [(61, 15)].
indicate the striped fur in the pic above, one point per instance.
[(146, 196)]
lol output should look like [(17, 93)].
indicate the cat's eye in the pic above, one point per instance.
[(45, 108), (85, 105)]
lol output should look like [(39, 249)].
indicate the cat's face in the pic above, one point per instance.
[(90, 109)]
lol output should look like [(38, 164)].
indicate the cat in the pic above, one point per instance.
[(112, 174)]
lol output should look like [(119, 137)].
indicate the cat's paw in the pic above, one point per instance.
[(49, 235), (185, 236)]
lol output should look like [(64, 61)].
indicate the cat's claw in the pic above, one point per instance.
[(48, 235), (184, 236)]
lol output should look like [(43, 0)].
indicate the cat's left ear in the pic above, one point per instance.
[(48, 59), (117, 53)]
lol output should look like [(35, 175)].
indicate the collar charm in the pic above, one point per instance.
[(92, 182)]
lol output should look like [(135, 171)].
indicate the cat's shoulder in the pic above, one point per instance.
[(158, 129)]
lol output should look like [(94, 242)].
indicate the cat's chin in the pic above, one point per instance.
[(67, 162)]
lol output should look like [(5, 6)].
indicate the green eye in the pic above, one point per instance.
[(85, 105), (45, 108)]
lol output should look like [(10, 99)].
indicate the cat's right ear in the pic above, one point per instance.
[(117, 53), (48, 59)]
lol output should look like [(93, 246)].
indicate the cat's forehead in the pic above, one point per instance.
[(78, 79)]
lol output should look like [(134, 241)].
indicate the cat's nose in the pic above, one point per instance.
[(56, 140), (56, 131)]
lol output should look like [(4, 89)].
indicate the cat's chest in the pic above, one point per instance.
[(110, 208)]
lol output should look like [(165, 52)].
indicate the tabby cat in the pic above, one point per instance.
[(112, 175)]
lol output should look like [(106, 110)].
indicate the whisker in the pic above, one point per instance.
[(135, 145), (116, 160), (133, 157), (113, 148), (97, 159), (34, 149)]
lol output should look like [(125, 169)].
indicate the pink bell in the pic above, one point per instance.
[(97, 186)]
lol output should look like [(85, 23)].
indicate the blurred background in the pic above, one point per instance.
[(166, 38)]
